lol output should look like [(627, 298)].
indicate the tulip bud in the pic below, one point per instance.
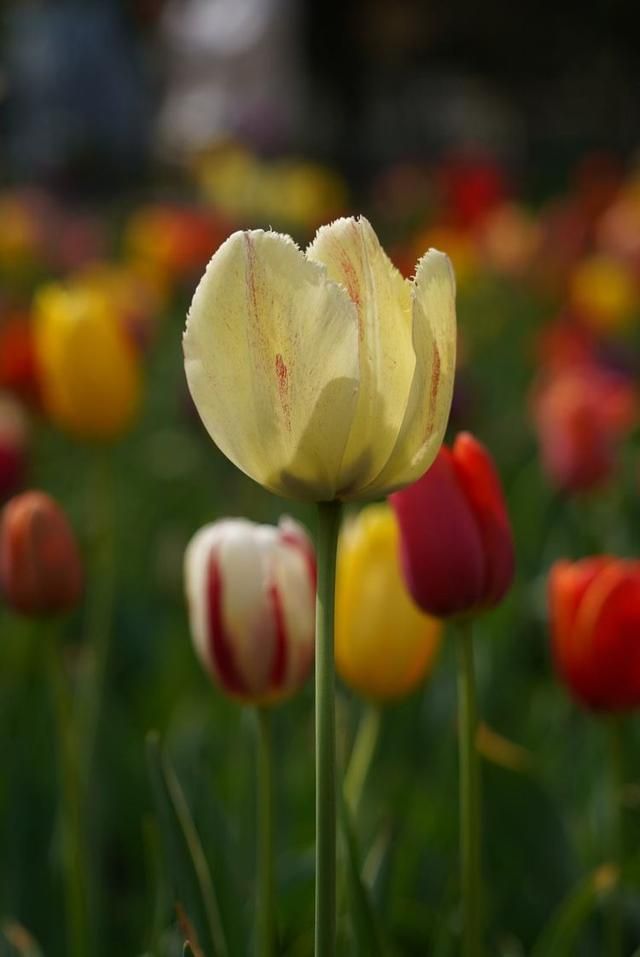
[(13, 442), (456, 541), (40, 566), (90, 372), (594, 610), (251, 598), (384, 644)]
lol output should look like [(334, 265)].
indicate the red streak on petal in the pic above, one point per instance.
[(306, 550), (219, 644), (278, 669), (251, 276), (353, 285), (283, 389), (433, 395)]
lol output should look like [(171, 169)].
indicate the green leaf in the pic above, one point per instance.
[(367, 933), (560, 936), (187, 952), (189, 875)]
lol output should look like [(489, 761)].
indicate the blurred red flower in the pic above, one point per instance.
[(594, 610), (471, 187), (18, 364), (456, 541), (40, 566), (580, 413)]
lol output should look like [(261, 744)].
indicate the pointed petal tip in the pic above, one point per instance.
[(434, 264)]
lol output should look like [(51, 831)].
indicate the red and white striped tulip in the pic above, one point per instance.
[(251, 597)]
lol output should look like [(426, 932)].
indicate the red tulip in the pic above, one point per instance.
[(456, 541), (580, 415), (594, 609), (40, 567)]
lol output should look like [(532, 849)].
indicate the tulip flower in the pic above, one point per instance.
[(40, 565), (323, 375), (458, 559), (456, 541), (90, 372), (251, 597), (581, 413), (594, 612), (594, 608), (251, 593), (384, 644), (13, 445)]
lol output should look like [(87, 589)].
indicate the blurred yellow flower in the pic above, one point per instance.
[(323, 375), (134, 295), (291, 192), (88, 367), (384, 644), (603, 292)]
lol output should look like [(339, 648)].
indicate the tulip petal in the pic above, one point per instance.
[(384, 644), (271, 357), (350, 250), (479, 479), (569, 584), (293, 584), (91, 377), (606, 645), (429, 402), (442, 550)]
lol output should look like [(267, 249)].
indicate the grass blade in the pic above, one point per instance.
[(189, 874), (367, 933)]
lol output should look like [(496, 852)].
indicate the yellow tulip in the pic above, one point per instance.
[(384, 644), (323, 375), (89, 371)]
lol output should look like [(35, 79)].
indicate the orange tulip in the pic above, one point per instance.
[(40, 566)]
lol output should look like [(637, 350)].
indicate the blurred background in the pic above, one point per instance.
[(99, 96), (134, 136)]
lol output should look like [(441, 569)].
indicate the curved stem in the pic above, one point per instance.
[(614, 917), (265, 902), (361, 757), (71, 816), (469, 794), (325, 922)]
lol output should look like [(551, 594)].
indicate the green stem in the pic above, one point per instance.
[(327, 542), (614, 918), (98, 627), (99, 604), (361, 757), (469, 795), (265, 903), (71, 818)]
